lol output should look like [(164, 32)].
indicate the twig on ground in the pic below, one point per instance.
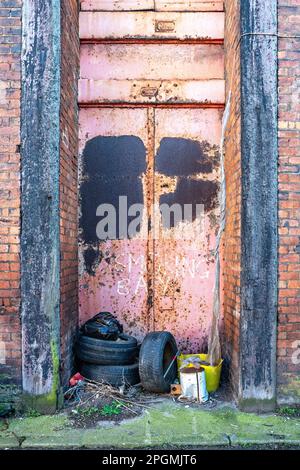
[(101, 389)]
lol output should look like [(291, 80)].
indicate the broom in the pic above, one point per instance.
[(214, 346)]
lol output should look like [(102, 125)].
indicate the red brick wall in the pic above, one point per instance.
[(10, 48), (231, 245), (10, 84), (289, 203), (68, 180)]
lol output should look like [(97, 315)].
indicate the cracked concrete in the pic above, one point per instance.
[(167, 425)]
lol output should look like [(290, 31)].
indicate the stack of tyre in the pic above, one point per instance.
[(113, 361), (108, 355)]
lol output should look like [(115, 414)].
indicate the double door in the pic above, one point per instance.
[(150, 126)]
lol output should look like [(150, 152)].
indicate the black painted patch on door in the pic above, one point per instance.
[(190, 191), (112, 167), (185, 157)]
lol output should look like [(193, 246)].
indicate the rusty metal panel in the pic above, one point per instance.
[(116, 5), (163, 277), (114, 147), (154, 61), (145, 25), (152, 91), (186, 5), (186, 172)]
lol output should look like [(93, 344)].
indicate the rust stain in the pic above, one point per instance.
[(151, 105), (149, 197), (152, 91), (142, 41)]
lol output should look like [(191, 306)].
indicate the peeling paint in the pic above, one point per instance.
[(93, 91), (151, 283), (154, 61), (106, 25)]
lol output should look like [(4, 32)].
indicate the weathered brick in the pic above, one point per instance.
[(289, 183), (231, 246), (10, 39), (68, 183)]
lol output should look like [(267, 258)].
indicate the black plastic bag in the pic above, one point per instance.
[(104, 325)]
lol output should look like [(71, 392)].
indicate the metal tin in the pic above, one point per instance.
[(193, 384)]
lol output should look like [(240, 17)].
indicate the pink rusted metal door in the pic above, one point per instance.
[(186, 173), (162, 278), (115, 145), (151, 93)]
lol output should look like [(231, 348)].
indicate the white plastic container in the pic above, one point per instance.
[(193, 384)]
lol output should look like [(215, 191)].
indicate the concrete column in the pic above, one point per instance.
[(257, 386), (40, 248)]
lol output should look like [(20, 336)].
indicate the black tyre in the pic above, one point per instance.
[(157, 351), (113, 375), (97, 351)]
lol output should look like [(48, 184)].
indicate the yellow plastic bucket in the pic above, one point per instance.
[(212, 373)]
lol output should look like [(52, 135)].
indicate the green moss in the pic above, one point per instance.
[(48, 402), (166, 424), (5, 409), (32, 413), (53, 395), (291, 390), (9, 396), (291, 411), (5, 378), (255, 405), (40, 425)]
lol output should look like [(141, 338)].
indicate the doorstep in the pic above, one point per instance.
[(166, 424)]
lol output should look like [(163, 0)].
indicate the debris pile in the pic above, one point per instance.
[(116, 373), (89, 402)]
